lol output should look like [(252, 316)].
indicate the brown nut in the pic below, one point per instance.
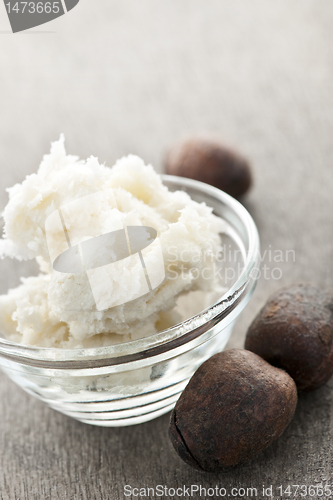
[(294, 331), (211, 162), (234, 406)]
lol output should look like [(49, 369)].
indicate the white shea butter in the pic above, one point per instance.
[(69, 201)]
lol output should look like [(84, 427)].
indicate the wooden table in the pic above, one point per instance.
[(126, 76)]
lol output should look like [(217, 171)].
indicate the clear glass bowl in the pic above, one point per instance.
[(137, 381)]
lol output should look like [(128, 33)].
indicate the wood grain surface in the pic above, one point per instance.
[(122, 77)]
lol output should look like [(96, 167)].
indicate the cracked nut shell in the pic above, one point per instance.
[(294, 331), (210, 162), (234, 406)]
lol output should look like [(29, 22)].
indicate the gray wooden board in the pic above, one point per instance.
[(127, 76)]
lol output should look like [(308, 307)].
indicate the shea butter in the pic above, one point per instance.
[(71, 205)]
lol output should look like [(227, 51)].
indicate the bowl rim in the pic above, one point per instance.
[(167, 339)]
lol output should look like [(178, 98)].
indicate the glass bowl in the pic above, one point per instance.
[(137, 381)]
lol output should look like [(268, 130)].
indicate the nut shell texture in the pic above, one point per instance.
[(210, 162), (294, 331), (234, 406)]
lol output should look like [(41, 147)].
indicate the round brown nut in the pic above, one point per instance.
[(294, 331), (234, 406), (210, 162)]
